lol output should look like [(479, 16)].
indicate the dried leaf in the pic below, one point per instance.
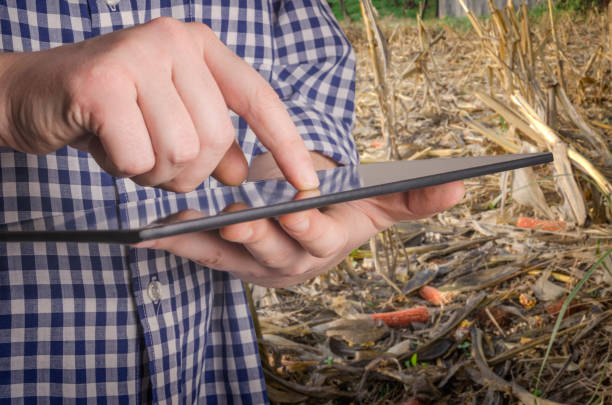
[(574, 205), (345, 307), (526, 191), (358, 331), (546, 290)]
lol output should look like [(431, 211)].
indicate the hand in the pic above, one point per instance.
[(302, 245), (149, 102)]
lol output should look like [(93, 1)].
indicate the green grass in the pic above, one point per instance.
[(386, 8), (389, 8), (461, 24), (575, 6)]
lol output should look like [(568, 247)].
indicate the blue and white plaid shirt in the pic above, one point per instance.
[(110, 323)]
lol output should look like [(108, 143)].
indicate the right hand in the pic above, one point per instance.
[(302, 244), (150, 103)]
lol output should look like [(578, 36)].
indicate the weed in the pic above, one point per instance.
[(564, 308)]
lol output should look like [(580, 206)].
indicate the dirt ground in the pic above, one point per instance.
[(478, 289)]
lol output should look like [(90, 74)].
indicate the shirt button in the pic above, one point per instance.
[(154, 290), (112, 4)]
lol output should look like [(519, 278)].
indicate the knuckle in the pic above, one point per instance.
[(280, 260), (169, 26), (213, 259), (184, 151), (221, 141), (322, 242), (204, 31), (134, 167), (293, 143), (263, 100), (202, 35), (261, 231)]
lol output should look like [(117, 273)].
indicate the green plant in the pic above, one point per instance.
[(414, 361), (466, 347), (563, 310), (503, 124), (560, 6), (594, 398), (385, 8)]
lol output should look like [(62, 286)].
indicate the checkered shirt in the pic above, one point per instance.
[(109, 323)]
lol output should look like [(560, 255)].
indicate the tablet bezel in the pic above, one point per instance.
[(131, 236)]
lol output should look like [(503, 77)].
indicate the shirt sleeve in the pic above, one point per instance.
[(314, 74)]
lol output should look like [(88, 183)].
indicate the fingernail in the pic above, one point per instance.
[(299, 225), (311, 180), (301, 195)]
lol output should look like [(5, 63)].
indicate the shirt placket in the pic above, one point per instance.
[(149, 278)]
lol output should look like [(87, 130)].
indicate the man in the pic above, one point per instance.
[(96, 114)]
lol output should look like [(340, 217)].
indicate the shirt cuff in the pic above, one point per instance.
[(323, 133)]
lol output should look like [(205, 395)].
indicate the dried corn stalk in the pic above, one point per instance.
[(526, 190), (379, 54), (610, 29), (508, 42), (558, 66), (596, 140), (565, 181)]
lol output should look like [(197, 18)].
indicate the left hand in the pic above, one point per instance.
[(301, 245)]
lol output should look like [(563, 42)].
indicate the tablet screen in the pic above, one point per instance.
[(121, 222)]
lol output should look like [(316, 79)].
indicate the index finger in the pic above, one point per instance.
[(249, 95)]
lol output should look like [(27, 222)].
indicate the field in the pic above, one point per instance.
[(505, 298)]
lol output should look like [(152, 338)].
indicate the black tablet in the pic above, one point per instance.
[(123, 222)]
